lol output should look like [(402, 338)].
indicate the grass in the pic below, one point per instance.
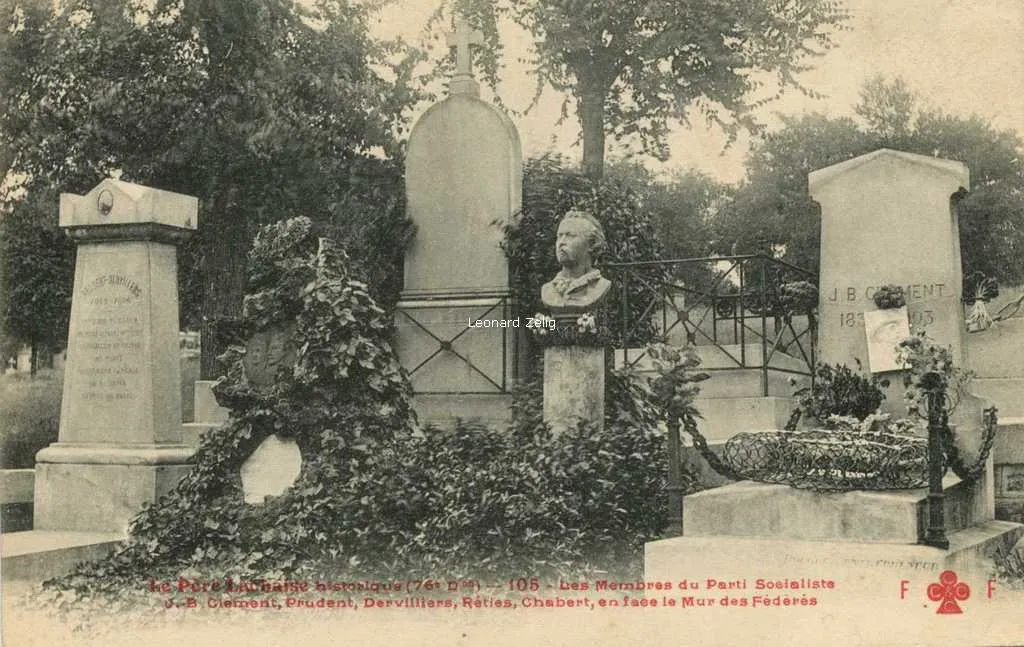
[(29, 416)]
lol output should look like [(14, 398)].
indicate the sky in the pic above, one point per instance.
[(963, 57)]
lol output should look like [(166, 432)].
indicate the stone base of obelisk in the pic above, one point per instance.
[(102, 488), (574, 382)]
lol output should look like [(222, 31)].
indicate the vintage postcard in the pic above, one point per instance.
[(552, 322)]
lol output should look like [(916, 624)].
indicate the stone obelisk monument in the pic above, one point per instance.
[(120, 440)]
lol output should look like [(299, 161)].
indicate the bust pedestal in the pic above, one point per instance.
[(574, 378)]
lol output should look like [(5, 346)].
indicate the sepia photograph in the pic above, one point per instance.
[(507, 322)]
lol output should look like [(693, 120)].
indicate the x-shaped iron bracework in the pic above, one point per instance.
[(447, 345)]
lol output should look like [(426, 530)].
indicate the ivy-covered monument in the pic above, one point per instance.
[(310, 364), (311, 369)]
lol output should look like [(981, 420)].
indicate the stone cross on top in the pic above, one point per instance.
[(461, 40)]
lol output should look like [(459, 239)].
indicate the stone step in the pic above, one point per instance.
[(748, 356), (1006, 393), (723, 418), (735, 371), (726, 356), (750, 509), (38, 555), (981, 543), (860, 570), (750, 382)]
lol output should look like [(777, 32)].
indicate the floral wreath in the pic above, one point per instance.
[(563, 331)]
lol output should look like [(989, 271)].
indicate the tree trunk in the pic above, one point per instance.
[(590, 108), (225, 242)]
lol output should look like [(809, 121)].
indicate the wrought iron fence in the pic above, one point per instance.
[(729, 302)]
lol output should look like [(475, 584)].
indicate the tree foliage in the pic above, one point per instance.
[(772, 206), (634, 67), (887, 107), (38, 269), (263, 109), (681, 208)]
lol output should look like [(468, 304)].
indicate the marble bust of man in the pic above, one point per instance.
[(579, 286)]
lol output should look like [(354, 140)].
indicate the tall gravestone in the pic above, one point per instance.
[(463, 183), (887, 218), (120, 440)]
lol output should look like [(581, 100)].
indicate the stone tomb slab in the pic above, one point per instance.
[(463, 178), (463, 182), (120, 439), (749, 509), (123, 375)]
